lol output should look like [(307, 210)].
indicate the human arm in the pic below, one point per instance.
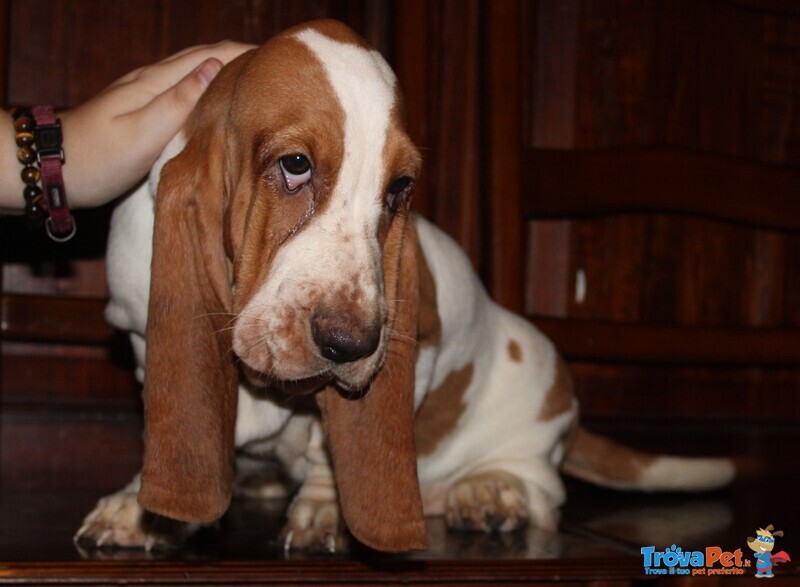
[(113, 139)]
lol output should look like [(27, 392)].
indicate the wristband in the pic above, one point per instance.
[(38, 135)]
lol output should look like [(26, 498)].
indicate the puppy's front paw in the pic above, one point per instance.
[(118, 521), (492, 501), (314, 525)]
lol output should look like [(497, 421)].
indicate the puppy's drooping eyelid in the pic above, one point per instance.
[(285, 159), (296, 169)]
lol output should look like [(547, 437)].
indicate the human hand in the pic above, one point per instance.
[(111, 141)]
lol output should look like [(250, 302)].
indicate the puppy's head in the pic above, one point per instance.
[(323, 170), (282, 235)]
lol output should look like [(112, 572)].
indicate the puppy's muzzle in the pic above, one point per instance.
[(341, 339)]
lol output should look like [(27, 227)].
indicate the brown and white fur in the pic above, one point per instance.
[(496, 418)]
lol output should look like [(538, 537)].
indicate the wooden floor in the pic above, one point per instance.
[(599, 542)]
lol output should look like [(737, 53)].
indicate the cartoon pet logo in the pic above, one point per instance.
[(762, 546)]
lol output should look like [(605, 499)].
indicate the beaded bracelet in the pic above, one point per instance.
[(35, 206), (38, 136)]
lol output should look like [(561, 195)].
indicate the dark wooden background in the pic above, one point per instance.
[(489, 84)]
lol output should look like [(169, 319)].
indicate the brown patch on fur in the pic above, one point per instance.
[(429, 326), (514, 351), (561, 395), (441, 410), (600, 460)]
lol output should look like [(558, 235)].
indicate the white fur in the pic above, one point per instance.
[(682, 474), (499, 429)]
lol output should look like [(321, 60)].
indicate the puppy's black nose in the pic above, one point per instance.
[(342, 340)]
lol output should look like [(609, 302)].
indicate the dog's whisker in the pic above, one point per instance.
[(399, 337), (212, 314), (225, 329)]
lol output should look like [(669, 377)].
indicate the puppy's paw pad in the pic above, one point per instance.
[(489, 502), (313, 525)]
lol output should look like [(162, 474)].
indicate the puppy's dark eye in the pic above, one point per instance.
[(399, 185), (397, 191), (296, 170)]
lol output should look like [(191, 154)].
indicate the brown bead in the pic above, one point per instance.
[(23, 124), (30, 175), (26, 155), (35, 211), (24, 139), (32, 193), (37, 201)]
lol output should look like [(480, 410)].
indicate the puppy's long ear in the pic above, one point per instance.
[(190, 390), (372, 439)]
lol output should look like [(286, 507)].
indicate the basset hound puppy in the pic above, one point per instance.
[(287, 265)]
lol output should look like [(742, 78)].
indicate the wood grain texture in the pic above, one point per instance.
[(630, 342), (597, 182), (59, 375), (549, 78), (691, 103), (437, 61), (503, 137), (52, 319), (49, 450), (480, 572), (4, 35), (722, 394), (416, 23)]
